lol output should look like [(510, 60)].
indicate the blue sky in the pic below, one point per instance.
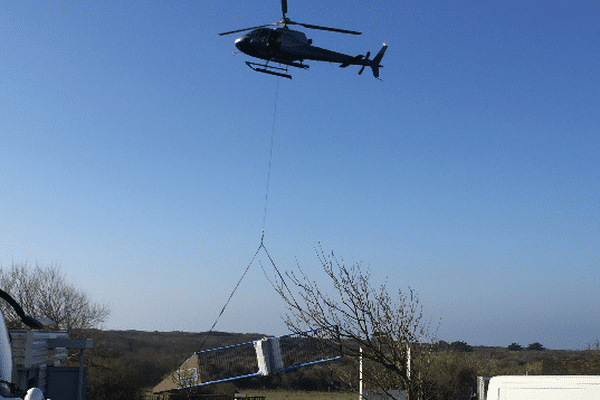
[(135, 151)]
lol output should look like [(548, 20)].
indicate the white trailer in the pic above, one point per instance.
[(544, 387)]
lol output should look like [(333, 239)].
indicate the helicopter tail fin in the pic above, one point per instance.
[(375, 63)]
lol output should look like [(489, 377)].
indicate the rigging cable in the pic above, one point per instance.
[(270, 159), (278, 290), (263, 228)]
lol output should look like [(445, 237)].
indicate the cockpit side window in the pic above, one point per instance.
[(263, 35)]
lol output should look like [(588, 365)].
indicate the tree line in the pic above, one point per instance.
[(125, 364), (358, 319)]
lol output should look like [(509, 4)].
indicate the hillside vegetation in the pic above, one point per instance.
[(124, 364)]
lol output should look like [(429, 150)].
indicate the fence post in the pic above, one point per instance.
[(481, 387)]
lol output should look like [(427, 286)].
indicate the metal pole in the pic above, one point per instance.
[(360, 377), (408, 370), (80, 385), (480, 388), (408, 362)]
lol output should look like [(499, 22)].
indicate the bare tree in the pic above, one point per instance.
[(387, 328), (44, 292)]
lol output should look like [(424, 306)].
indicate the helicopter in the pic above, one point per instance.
[(289, 48)]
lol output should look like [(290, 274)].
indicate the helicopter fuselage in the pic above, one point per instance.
[(290, 48), (287, 46)]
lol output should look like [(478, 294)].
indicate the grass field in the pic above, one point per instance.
[(291, 395)]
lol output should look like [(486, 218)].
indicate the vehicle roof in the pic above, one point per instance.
[(542, 381), (543, 378)]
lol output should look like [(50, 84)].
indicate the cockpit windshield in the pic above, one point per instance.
[(260, 34)]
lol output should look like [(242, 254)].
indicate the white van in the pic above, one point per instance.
[(544, 387)]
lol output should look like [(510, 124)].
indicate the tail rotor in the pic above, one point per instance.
[(374, 63)]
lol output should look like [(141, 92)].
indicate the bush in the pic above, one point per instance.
[(535, 347), (449, 376), (461, 347)]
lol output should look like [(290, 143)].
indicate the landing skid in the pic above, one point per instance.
[(273, 70)]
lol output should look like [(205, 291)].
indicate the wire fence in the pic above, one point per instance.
[(306, 348), (260, 357), (224, 364)]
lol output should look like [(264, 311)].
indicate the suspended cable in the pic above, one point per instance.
[(273, 284), (263, 228), (262, 245), (270, 157), (266, 200), (229, 299)]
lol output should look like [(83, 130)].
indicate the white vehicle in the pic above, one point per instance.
[(8, 391), (544, 387)]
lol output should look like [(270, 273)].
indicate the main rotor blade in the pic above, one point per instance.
[(284, 7), (242, 30), (324, 28)]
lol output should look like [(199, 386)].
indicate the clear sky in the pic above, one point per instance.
[(135, 148)]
